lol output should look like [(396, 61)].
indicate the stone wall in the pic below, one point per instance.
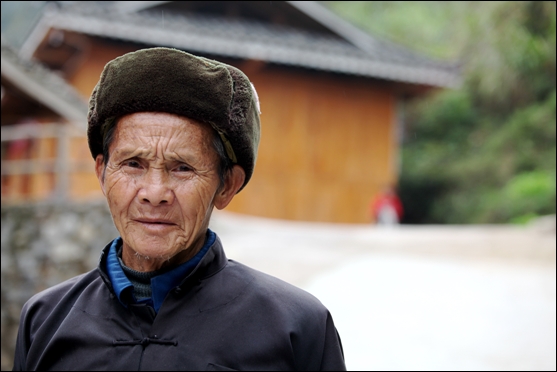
[(42, 245)]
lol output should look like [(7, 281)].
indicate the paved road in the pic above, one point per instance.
[(417, 298)]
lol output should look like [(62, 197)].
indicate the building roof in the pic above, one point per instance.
[(342, 49), (43, 85)]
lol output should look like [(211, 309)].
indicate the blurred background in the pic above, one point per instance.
[(405, 177)]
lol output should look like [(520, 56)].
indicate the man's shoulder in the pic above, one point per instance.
[(66, 290), (271, 290)]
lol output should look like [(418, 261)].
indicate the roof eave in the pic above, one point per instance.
[(19, 78), (136, 6), (445, 77), (333, 22)]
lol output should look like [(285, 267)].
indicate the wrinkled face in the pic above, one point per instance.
[(161, 183)]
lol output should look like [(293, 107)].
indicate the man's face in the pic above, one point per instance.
[(161, 183)]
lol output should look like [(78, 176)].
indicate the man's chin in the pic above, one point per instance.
[(153, 247), (154, 254)]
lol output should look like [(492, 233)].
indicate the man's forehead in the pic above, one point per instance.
[(187, 154), (143, 133)]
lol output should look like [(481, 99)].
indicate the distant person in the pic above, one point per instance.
[(386, 208), (173, 136)]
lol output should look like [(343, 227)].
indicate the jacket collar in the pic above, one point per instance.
[(211, 263)]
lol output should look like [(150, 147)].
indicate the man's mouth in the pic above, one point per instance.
[(155, 221)]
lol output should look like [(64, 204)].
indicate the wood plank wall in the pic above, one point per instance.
[(327, 147)]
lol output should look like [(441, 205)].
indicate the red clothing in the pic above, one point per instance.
[(386, 200)]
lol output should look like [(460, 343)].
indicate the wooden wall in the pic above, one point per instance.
[(327, 147)]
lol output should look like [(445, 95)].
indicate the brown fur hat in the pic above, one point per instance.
[(173, 81)]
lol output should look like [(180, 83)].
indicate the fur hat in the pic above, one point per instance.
[(173, 81)]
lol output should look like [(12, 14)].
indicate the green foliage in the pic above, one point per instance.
[(530, 191), (484, 153)]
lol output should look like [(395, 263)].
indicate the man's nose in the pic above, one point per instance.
[(156, 189)]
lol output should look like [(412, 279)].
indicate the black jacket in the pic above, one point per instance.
[(223, 316)]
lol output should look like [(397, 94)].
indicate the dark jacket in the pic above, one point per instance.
[(223, 315)]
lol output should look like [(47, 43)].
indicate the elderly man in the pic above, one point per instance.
[(173, 135)]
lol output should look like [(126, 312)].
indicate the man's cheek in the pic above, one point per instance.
[(118, 184)]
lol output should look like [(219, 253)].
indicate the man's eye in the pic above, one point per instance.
[(183, 168), (132, 163)]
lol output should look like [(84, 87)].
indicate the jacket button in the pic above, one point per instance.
[(178, 290)]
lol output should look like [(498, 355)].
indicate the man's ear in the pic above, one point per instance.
[(99, 170), (232, 184)]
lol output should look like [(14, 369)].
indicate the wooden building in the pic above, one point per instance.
[(43, 125), (329, 92)]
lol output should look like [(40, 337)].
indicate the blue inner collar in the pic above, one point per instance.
[(160, 284)]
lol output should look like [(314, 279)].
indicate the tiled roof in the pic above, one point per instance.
[(252, 39), (43, 85)]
